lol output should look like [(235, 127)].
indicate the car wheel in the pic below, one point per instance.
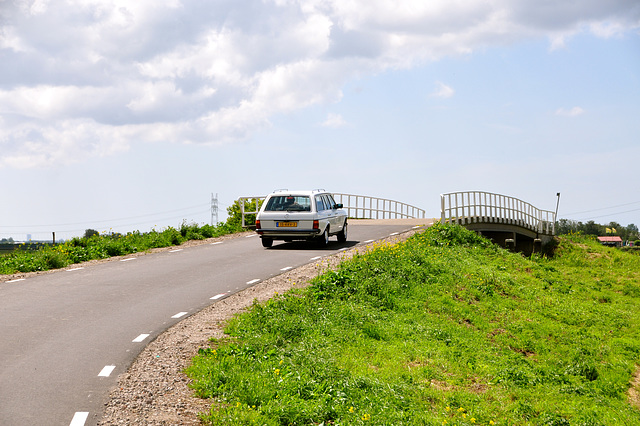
[(323, 240), (267, 242), (342, 235)]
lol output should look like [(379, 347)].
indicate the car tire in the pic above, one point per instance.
[(323, 240), (342, 235), (267, 242)]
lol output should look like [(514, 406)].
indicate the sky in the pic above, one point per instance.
[(119, 116)]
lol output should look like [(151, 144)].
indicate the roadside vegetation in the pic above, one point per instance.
[(627, 233), (443, 329), (94, 245)]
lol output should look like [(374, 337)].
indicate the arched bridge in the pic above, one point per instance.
[(508, 221), (357, 207)]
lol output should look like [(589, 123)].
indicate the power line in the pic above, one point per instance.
[(73, 231), (95, 222), (612, 214), (605, 208)]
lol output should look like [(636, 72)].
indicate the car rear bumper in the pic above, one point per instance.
[(278, 234)]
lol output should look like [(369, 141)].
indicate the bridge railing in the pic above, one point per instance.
[(357, 206), (484, 207), (365, 207)]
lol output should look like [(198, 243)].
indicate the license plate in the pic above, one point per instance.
[(286, 224)]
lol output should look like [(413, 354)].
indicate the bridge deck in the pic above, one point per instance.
[(497, 223)]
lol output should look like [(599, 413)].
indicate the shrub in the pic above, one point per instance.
[(95, 246)]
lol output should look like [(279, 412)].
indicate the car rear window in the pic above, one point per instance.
[(297, 203)]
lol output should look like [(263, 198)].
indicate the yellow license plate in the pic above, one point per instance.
[(286, 224)]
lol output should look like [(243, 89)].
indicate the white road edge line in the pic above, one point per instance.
[(127, 259), (316, 258), (253, 281), (252, 235), (216, 243), (179, 314), (16, 280), (393, 233), (368, 241), (106, 371), (140, 338), (175, 251), (286, 268), (74, 269), (218, 296), (79, 418)]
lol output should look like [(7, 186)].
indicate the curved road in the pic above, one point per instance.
[(66, 336)]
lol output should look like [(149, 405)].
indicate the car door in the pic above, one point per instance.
[(322, 212), (334, 219)]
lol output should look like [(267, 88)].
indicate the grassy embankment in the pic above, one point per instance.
[(444, 329), (79, 250)]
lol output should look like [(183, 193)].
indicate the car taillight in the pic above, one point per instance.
[(257, 224), (316, 224)]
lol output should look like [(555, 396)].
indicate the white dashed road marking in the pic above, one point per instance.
[(175, 251), (286, 268), (106, 371), (394, 233), (253, 281), (79, 418), (218, 296), (140, 338), (251, 236), (179, 314), (368, 241), (316, 258), (127, 259), (74, 269), (216, 243), (15, 281)]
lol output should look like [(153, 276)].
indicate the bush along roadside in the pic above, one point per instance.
[(82, 249), (442, 329)]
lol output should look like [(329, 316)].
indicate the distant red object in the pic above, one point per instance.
[(610, 241)]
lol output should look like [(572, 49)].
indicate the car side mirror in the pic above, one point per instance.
[(339, 206)]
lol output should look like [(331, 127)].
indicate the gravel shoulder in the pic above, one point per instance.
[(154, 390)]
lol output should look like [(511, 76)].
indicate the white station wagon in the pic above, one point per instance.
[(301, 215)]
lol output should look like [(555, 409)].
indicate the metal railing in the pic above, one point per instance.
[(357, 206), (364, 207), (243, 203), (470, 207)]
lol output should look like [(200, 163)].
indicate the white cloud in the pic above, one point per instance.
[(573, 112), (334, 121), (187, 71), (442, 91)]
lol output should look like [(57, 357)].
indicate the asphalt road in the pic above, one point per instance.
[(66, 336)]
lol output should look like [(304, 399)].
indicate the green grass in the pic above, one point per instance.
[(79, 250), (444, 328)]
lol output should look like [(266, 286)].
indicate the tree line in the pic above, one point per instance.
[(568, 226)]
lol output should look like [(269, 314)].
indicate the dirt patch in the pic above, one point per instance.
[(634, 390), (154, 391)]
